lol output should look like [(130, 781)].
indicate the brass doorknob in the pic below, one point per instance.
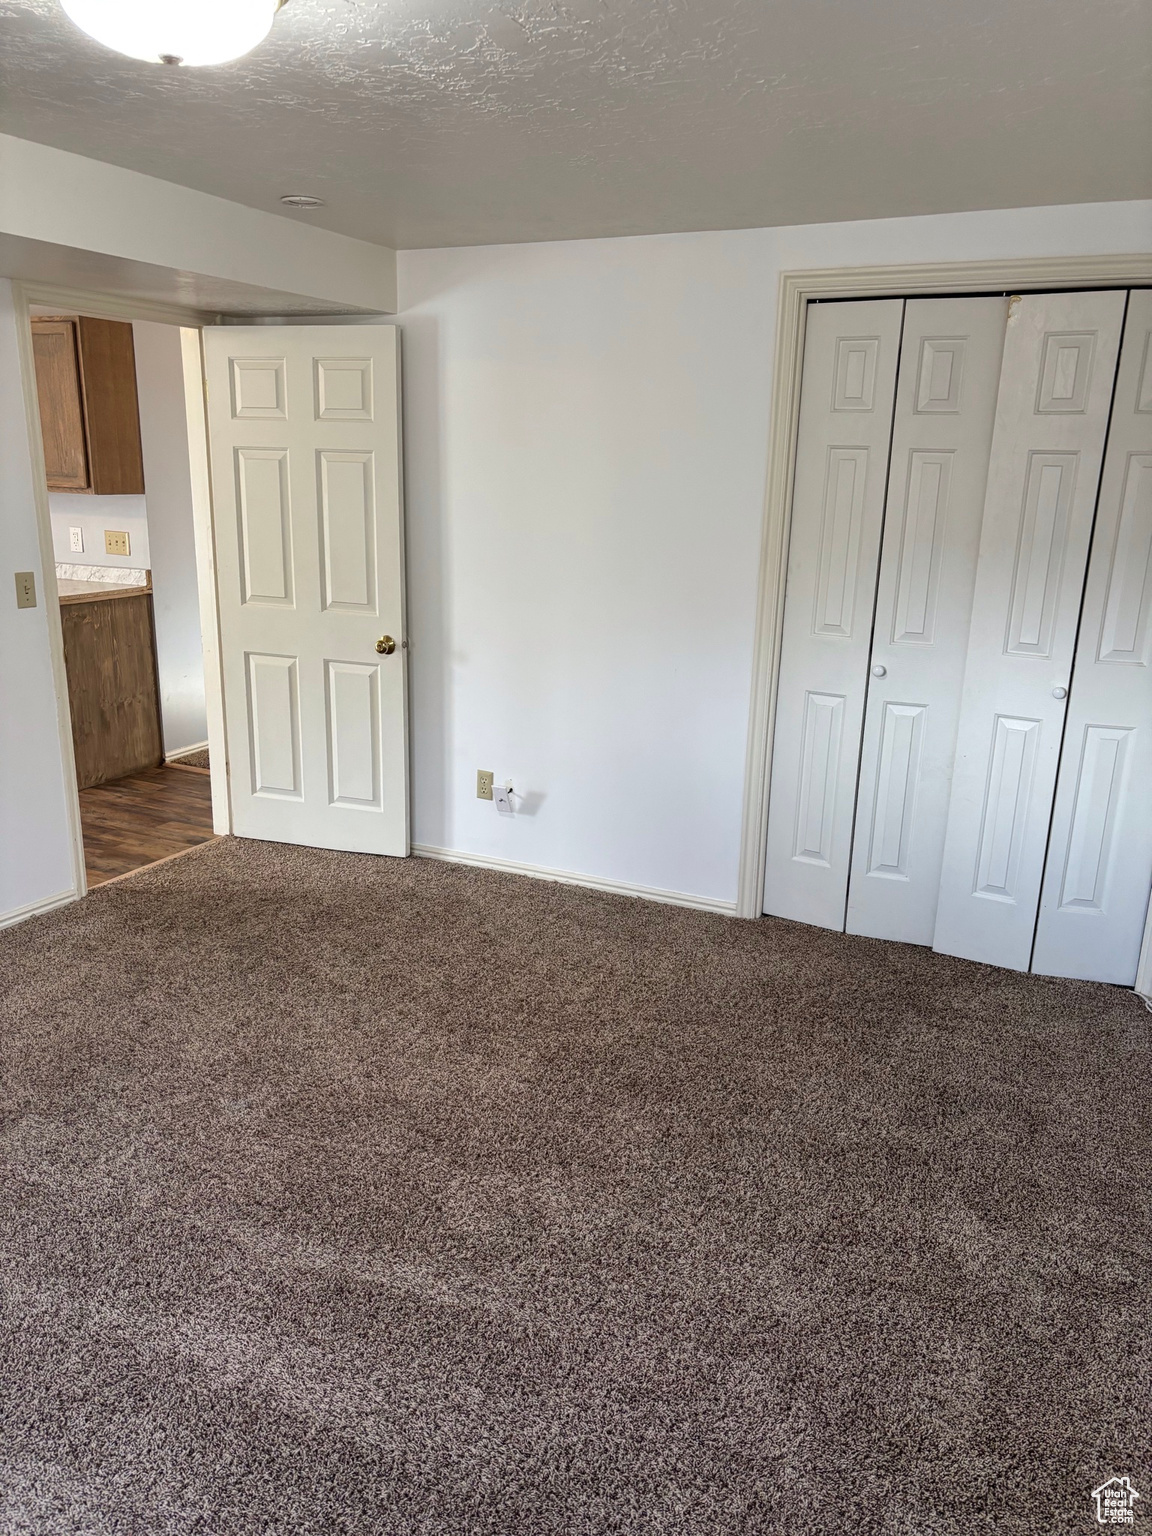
[(385, 645)]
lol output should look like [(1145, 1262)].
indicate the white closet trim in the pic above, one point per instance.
[(796, 290), (1144, 969)]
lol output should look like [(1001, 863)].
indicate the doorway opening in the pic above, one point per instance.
[(120, 476)]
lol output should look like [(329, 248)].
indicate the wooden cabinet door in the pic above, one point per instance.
[(61, 404), (110, 658), (111, 409)]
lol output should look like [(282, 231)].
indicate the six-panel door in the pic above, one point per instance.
[(942, 433), (849, 377), (1099, 864), (1051, 420), (305, 447)]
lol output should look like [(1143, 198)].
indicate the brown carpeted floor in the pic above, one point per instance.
[(196, 759), (351, 1196)]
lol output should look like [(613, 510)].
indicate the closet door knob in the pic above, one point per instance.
[(879, 671), (1059, 693)]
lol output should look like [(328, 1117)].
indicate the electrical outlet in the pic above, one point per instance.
[(76, 540), (485, 778), (115, 543), (26, 594)]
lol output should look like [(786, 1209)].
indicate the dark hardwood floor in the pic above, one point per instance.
[(132, 822)]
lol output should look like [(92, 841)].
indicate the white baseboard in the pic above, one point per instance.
[(34, 908), (197, 746), (569, 877)]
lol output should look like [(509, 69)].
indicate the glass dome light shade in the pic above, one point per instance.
[(175, 31)]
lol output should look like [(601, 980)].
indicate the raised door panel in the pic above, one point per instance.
[(353, 720), (347, 531), (1041, 552), (310, 580), (259, 388), (343, 388), (1126, 632), (1051, 421), (889, 832), (819, 769), (264, 526), (847, 388), (941, 439), (1099, 867), (1004, 809), (274, 725)]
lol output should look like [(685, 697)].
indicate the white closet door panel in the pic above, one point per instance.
[(304, 429), (1099, 866), (850, 356), (1051, 421), (941, 439)]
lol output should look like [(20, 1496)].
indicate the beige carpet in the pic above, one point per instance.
[(196, 759), (347, 1196)]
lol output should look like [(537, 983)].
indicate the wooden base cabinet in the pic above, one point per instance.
[(110, 657)]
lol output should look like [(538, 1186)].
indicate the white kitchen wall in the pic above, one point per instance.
[(94, 516), (586, 437), (35, 843), (171, 540)]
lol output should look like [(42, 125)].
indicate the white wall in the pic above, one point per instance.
[(171, 539), (67, 219), (586, 445), (35, 844), (586, 442), (94, 516)]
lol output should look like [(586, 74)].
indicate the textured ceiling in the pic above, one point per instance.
[(452, 122)]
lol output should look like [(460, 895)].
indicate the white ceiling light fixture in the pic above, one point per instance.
[(301, 200), (176, 31)]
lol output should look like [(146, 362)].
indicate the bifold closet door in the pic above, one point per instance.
[(847, 387), (1099, 867), (1051, 421), (941, 438)]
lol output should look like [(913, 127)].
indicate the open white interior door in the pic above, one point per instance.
[(304, 433)]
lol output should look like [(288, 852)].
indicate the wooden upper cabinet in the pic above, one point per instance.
[(61, 404), (89, 413)]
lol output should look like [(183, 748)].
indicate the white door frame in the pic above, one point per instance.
[(797, 289), (114, 307)]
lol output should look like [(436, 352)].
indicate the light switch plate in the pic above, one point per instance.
[(25, 589), (76, 540), (115, 543)]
